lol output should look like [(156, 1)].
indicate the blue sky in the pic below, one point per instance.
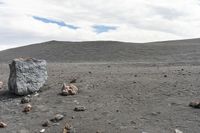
[(97, 28), (26, 21), (59, 23)]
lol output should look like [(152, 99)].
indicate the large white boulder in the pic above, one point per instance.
[(27, 75)]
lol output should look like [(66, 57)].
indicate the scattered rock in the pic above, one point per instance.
[(47, 123), (79, 108), (57, 118), (68, 128), (26, 99), (69, 90), (42, 131), (36, 94), (56, 124), (27, 108), (98, 131), (195, 104), (1, 85), (177, 131), (3, 125), (73, 80), (27, 75)]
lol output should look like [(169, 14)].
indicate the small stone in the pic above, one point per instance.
[(79, 108), (27, 108), (47, 123), (195, 104), (36, 94), (3, 125), (165, 76), (42, 131), (98, 131), (73, 81), (57, 117), (26, 99), (177, 131), (1, 85), (56, 124), (68, 128), (69, 90)]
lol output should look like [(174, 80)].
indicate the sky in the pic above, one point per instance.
[(25, 22)]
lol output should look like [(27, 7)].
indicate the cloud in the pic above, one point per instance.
[(25, 22)]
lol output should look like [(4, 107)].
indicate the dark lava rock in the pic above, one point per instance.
[(3, 125), (46, 123), (57, 118), (79, 108), (73, 80), (26, 99), (27, 75), (195, 104)]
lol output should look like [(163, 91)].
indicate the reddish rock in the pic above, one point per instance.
[(69, 90), (27, 108)]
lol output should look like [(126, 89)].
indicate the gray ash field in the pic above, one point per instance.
[(125, 87)]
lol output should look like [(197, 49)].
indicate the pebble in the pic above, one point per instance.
[(73, 80), (69, 90), (36, 94), (42, 131), (3, 125), (57, 117), (195, 104), (26, 99), (47, 123), (27, 108), (68, 128), (177, 131), (79, 108), (1, 85)]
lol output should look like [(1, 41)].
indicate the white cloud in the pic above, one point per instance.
[(137, 20)]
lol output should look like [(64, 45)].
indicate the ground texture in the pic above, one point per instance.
[(119, 98)]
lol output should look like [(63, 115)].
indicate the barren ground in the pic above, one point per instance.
[(120, 98)]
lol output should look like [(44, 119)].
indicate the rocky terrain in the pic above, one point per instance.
[(123, 88)]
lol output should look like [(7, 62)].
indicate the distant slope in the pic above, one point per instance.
[(109, 51)]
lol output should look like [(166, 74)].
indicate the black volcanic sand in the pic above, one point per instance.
[(120, 98)]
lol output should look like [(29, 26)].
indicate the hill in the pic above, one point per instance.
[(109, 51)]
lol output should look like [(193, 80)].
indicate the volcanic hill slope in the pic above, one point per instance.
[(109, 51), (125, 87)]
